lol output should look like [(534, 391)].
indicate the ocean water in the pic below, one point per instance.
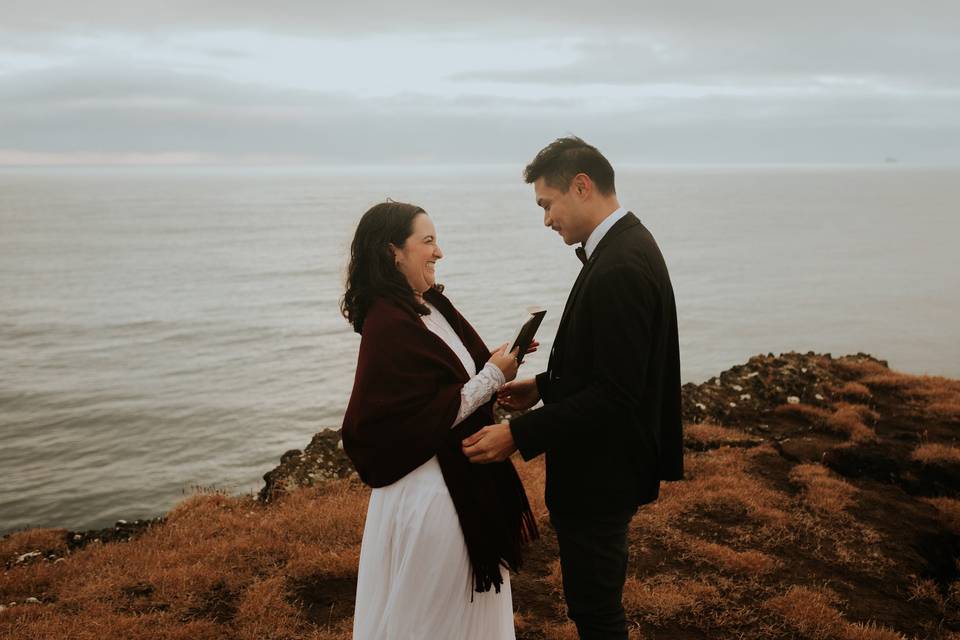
[(167, 329)]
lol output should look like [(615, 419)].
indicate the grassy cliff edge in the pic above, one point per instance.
[(821, 502)]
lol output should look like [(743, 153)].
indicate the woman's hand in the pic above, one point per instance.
[(506, 362), (534, 345), (520, 395)]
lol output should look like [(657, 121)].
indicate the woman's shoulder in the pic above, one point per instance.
[(436, 298), (385, 314)]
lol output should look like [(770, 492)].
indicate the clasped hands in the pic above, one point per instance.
[(494, 443)]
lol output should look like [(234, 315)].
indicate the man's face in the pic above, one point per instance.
[(561, 212)]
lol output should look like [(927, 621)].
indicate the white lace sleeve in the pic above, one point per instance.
[(478, 390)]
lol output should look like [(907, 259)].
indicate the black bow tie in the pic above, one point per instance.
[(582, 254)]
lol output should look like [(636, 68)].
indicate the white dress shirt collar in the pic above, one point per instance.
[(601, 230)]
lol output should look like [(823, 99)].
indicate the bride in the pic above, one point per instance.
[(441, 534)]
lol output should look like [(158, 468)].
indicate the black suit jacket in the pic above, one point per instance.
[(610, 425)]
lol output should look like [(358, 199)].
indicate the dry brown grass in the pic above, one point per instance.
[(216, 558), (892, 381), (935, 453), (929, 388), (854, 391), (748, 563), (949, 511), (815, 415), (870, 631), (726, 530), (342, 630), (858, 368), (941, 395), (848, 419), (809, 612), (533, 474), (729, 518), (708, 434), (719, 479), (664, 597), (568, 631), (554, 577), (822, 491), (945, 410), (938, 387), (721, 486), (953, 596), (560, 631), (926, 589), (264, 611), (812, 614), (860, 410), (32, 540), (521, 623)]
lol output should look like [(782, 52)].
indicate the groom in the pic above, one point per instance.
[(610, 420)]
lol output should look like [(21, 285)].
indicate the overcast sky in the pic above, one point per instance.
[(428, 81)]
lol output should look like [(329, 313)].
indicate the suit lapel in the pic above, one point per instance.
[(621, 225)]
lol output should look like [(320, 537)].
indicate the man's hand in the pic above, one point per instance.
[(493, 443), (534, 345), (519, 395)]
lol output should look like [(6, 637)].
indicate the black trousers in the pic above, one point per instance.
[(593, 559)]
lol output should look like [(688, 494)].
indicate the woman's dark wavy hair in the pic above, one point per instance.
[(373, 272)]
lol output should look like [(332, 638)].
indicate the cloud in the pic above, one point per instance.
[(656, 81), (897, 62), (128, 111), (136, 113), (704, 17)]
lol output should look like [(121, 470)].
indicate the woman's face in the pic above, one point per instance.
[(417, 258)]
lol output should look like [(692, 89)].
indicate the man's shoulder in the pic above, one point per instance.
[(620, 278), (633, 258), (637, 246), (629, 251), (637, 234)]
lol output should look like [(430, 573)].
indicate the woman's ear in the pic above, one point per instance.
[(395, 254)]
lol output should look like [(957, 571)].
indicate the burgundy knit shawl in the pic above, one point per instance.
[(406, 395)]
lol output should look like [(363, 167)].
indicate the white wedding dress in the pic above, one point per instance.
[(414, 580)]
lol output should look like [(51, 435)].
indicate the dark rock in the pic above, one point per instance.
[(322, 459), (737, 397), (741, 393), (292, 453), (122, 532)]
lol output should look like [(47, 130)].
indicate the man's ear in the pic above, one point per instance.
[(582, 185)]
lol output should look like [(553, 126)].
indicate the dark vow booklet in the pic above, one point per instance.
[(527, 330)]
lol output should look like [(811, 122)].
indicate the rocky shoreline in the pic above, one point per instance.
[(822, 500), (122, 531), (738, 396)]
